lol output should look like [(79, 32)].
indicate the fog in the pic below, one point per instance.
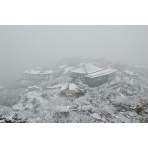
[(22, 47)]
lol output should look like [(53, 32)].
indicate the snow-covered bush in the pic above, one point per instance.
[(44, 95)]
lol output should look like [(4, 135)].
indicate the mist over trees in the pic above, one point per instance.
[(24, 47)]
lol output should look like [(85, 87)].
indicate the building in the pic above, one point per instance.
[(38, 74), (131, 77), (54, 87), (70, 89), (84, 69), (100, 77), (93, 75), (130, 74)]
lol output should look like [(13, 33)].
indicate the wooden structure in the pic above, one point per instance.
[(36, 74), (101, 77), (69, 89), (131, 76)]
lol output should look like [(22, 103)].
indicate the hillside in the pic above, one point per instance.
[(38, 102)]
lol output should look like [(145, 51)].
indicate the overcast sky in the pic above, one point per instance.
[(22, 47)]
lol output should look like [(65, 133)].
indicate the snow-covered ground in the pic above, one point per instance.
[(98, 105), (110, 102)]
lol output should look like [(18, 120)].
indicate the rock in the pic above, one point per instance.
[(62, 109), (2, 121), (74, 107), (139, 109), (98, 117), (86, 108)]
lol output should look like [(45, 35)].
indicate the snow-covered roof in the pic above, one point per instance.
[(101, 73), (86, 68), (130, 72), (29, 87), (67, 69), (32, 71), (55, 86), (70, 86), (47, 72)]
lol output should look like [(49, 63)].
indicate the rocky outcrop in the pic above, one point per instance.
[(142, 110), (7, 115)]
